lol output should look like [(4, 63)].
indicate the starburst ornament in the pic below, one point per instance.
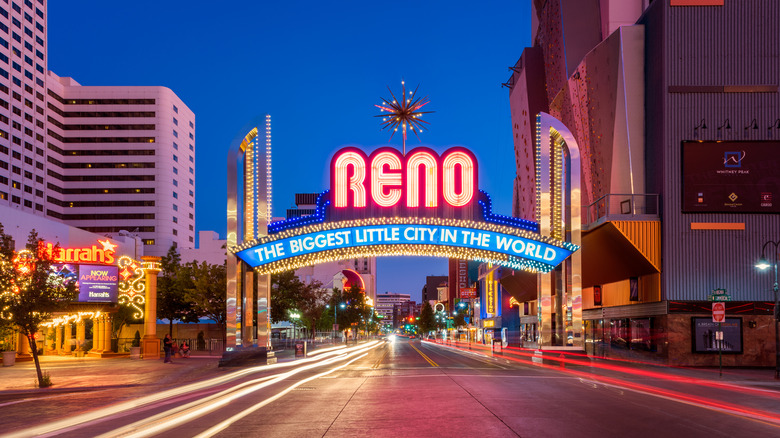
[(404, 113)]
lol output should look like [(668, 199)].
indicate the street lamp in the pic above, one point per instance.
[(763, 264), (293, 317), (335, 312)]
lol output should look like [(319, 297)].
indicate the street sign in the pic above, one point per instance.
[(718, 312), (719, 295)]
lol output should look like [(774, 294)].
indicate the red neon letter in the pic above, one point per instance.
[(466, 164), (417, 159), (380, 179), (354, 184)]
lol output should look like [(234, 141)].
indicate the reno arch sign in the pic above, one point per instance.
[(387, 203), (421, 181)]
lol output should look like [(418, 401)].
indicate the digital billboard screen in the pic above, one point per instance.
[(731, 177), (95, 283)]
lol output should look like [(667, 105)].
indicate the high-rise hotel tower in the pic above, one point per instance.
[(105, 158)]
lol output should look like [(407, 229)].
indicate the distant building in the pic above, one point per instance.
[(211, 249), (403, 311), (385, 303), (430, 291)]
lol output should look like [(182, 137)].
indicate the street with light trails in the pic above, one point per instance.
[(404, 387)]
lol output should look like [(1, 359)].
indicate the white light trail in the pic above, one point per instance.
[(125, 408), (197, 409)]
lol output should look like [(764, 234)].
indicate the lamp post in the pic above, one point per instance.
[(336, 313), (293, 317), (763, 264)]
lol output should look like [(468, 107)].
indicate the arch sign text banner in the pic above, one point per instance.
[(422, 203)]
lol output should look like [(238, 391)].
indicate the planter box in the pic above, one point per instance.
[(135, 352), (9, 358)]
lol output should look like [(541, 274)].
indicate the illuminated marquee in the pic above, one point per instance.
[(95, 254), (504, 245), (387, 203), (387, 182)]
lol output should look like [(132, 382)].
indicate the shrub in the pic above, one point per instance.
[(45, 381), (137, 339)]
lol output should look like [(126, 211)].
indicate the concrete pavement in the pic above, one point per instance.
[(70, 374)]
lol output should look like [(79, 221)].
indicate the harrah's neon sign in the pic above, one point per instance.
[(421, 181), (95, 254)]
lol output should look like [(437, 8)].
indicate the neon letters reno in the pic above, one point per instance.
[(387, 179)]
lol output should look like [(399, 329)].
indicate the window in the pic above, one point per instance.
[(192, 159), (192, 182), (176, 110), (192, 239), (192, 148), (192, 216), (175, 158), (192, 205), (175, 233), (148, 241), (175, 183), (175, 207), (175, 195), (192, 125), (192, 137), (175, 220), (192, 193), (175, 122), (175, 146), (191, 170), (175, 171)]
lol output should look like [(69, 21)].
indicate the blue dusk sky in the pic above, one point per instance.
[(318, 68)]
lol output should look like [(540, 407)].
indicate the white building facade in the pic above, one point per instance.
[(104, 159)]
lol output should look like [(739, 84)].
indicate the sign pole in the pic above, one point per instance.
[(720, 350)]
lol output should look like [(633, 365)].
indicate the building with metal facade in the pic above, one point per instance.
[(671, 103)]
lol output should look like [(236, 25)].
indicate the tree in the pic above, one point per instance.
[(459, 319), (206, 290), (35, 293), (426, 321), (171, 303), (287, 291), (357, 311), (123, 317), (312, 304)]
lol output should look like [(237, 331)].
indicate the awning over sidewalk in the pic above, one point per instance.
[(617, 250)]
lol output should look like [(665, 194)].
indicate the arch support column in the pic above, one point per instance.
[(150, 344)]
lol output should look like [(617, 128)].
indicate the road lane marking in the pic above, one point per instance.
[(227, 423), (376, 365), (433, 364)]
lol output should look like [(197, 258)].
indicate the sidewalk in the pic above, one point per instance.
[(70, 374)]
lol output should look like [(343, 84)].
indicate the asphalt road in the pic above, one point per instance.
[(412, 388)]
